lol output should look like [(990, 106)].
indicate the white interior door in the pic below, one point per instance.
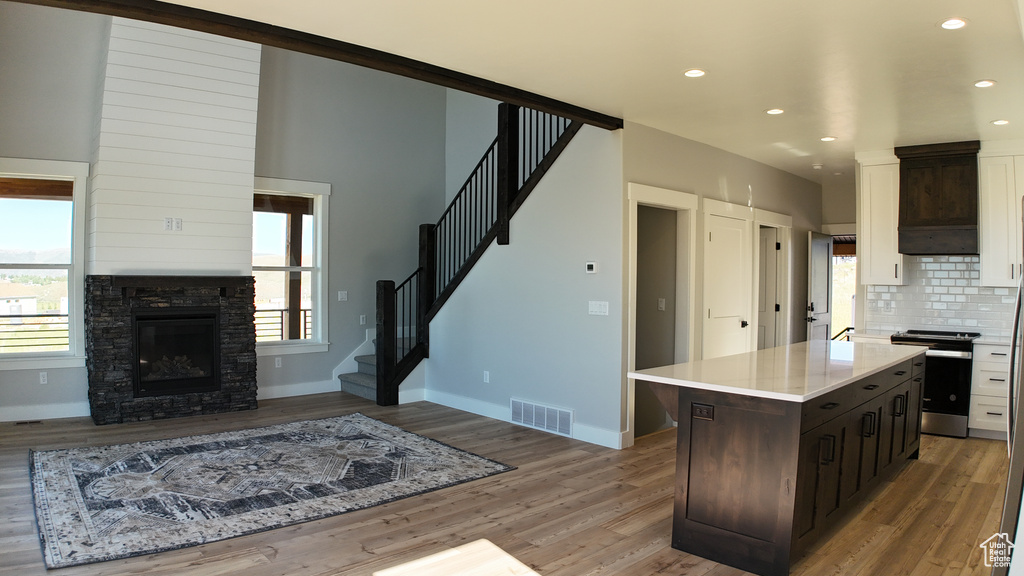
[(767, 282), (819, 286), (728, 289)]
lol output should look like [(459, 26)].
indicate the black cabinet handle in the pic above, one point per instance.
[(900, 405), (871, 387), (994, 413), (827, 449), (868, 425), (829, 406), (999, 353), (998, 379), (901, 372), (922, 363)]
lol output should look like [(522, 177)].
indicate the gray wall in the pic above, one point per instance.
[(379, 140), (521, 314), (660, 159), (839, 199), (470, 126), (50, 80), (50, 77)]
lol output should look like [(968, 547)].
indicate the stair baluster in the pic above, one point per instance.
[(528, 143)]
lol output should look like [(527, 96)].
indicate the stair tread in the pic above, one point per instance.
[(367, 359), (359, 384), (360, 378)]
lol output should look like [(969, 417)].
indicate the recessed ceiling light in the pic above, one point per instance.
[(774, 111), (1000, 122), (985, 83), (828, 138), (953, 23), (694, 73)]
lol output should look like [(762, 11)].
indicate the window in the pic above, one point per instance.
[(41, 263), (289, 264)]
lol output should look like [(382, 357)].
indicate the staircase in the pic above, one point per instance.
[(364, 382), (528, 143)]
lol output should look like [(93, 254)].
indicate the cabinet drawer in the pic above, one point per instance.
[(992, 353), (822, 409), (989, 379), (918, 365), (988, 413)]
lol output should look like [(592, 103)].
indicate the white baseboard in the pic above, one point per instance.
[(298, 389), (591, 434), (44, 411)]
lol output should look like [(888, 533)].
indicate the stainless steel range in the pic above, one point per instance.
[(947, 381)]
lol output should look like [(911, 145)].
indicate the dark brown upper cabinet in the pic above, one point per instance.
[(939, 198)]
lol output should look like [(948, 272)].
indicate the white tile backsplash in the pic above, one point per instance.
[(941, 293)]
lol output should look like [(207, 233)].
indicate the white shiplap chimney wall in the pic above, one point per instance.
[(177, 139)]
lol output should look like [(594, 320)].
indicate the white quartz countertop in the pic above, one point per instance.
[(796, 372)]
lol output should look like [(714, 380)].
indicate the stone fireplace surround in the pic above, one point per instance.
[(109, 301)]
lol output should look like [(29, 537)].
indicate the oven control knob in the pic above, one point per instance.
[(952, 397)]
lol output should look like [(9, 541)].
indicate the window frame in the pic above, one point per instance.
[(78, 174), (320, 193)]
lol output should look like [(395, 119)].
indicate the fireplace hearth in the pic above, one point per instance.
[(169, 346)]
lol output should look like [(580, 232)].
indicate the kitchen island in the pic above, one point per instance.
[(776, 445)]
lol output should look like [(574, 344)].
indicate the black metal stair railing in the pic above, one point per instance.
[(527, 145)]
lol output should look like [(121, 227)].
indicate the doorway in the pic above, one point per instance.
[(656, 247), (662, 236), (768, 306)]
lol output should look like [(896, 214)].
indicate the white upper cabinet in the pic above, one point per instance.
[(999, 219), (879, 259), (999, 246)]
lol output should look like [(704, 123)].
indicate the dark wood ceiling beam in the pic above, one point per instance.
[(270, 35)]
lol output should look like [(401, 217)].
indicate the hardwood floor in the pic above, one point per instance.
[(571, 508)]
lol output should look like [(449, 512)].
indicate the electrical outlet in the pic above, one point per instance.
[(42, 377), (487, 377), (277, 362), (661, 304), (703, 411), (168, 224)]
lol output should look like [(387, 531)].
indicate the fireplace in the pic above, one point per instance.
[(169, 346), (176, 351)]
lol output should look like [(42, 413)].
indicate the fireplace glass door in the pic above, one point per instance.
[(177, 352)]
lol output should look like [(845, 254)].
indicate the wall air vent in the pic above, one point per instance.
[(547, 418)]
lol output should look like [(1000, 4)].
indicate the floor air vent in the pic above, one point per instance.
[(542, 417)]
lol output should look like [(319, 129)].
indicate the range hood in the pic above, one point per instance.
[(939, 198)]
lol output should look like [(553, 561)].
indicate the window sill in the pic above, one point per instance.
[(283, 348), (41, 362)]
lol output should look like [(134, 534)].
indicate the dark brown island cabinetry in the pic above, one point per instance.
[(759, 479)]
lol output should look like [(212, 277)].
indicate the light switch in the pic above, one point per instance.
[(342, 295), (598, 308)]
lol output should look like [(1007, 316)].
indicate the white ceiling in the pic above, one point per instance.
[(872, 73)]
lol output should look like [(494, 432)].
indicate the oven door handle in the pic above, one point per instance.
[(948, 354)]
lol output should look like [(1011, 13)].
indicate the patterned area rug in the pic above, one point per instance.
[(97, 504)]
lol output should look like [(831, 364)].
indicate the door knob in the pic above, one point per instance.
[(744, 323)]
